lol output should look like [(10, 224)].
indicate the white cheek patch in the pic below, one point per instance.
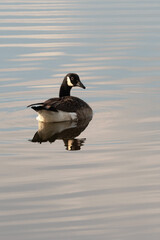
[(69, 83)]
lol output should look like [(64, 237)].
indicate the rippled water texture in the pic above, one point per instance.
[(101, 179)]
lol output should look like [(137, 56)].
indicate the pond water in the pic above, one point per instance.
[(100, 180)]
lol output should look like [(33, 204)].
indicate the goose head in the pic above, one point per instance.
[(73, 80), (70, 80)]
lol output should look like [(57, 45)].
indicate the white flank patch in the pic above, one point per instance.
[(69, 83), (60, 116)]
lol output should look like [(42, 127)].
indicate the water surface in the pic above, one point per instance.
[(108, 188)]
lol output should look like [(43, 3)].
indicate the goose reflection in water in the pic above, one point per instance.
[(66, 131)]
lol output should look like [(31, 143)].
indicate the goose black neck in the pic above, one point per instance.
[(64, 89)]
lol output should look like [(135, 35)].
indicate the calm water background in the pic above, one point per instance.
[(110, 189)]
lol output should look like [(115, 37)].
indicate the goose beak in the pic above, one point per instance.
[(79, 84)]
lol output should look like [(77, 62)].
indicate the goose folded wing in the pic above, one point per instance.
[(68, 104)]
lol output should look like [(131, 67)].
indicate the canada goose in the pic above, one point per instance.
[(66, 107)]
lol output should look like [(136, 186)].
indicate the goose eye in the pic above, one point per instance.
[(72, 78)]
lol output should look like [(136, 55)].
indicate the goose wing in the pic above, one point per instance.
[(66, 104), (47, 105)]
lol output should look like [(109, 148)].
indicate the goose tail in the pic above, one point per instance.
[(34, 104)]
